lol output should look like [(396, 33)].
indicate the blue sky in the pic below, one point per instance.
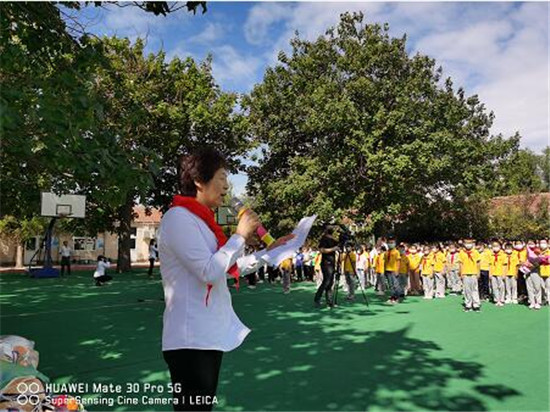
[(497, 50)]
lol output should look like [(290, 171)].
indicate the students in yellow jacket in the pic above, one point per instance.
[(413, 258), (391, 265), (452, 270), (286, 269), (521, 253), (510, 269), (427, 272), (496, 271), (403, 269), (379, 267), (469, 268), (348, 261)]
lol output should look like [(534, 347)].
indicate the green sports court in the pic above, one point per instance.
[(419, 355)]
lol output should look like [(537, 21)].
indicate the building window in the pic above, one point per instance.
[(84, 243), (32, 243)]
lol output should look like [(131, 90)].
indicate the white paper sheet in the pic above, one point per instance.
[(276, 256)]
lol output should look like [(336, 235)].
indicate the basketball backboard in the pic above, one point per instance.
[(63, 206)]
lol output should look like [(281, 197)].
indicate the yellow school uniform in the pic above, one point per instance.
[(452, 260), (379, 263), (286, 264), (511, 264), (391, 259), (439, 262), (414, 260), (521, 254), (469, 262), (404, 265), (545, 269), (427, 264), (349, 262), (485, 261), (497, 263)]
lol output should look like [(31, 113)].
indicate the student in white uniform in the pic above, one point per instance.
[(199, 321)]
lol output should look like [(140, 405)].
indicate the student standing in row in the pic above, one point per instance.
[(452, 270), (427, 271), (414, 258), (533, 282), (485, 260), (469, 267), (511, 270), (439, 268), (391, 262), (521, 253), (379, 266), (403, 270), (496, 271)]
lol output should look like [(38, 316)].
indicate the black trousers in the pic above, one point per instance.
[(151, 265), (102, 279), (309, 272), (65, 263), (251, 279), (328, 279), (484, 284), (194, 374), (300, 272)]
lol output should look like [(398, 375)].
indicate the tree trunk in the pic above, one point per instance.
[(19, 256), (124, 232)]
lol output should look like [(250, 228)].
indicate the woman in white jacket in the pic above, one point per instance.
[(196, 259)]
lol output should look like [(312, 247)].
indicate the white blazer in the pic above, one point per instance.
[(190, 260)]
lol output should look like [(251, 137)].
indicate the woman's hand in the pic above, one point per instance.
[(248, 223), (281, 241)]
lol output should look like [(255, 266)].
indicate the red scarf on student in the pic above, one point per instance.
[(469, 253), (207, 215)]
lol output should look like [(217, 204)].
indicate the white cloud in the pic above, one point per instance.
[(234, 68), (212, 33), (261, 18), (497, 50)]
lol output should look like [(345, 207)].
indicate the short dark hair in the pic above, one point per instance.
[(199, 166)]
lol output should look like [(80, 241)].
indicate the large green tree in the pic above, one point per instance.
[(98, 117), (351, 124), (155, 111)]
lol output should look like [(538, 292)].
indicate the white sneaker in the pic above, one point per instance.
[(380, 293), (532, 306), (537, 306), (507, 301), (515, 301)]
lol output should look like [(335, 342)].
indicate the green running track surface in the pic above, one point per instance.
[(419, 355)]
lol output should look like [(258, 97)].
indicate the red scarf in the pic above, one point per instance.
[(207, 215), (469, 253), (453, 257), (496, 257)]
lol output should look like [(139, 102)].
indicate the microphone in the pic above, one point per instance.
[(262, 232)]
